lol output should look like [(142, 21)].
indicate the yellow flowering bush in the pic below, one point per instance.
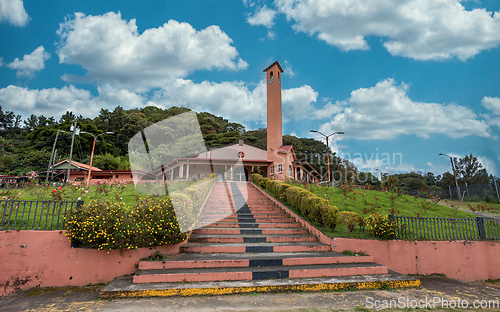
[(349, 218), (380, 225), (112, 225)]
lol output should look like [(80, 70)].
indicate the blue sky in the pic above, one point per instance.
[(404, 79)]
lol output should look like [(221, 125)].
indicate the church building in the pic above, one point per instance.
[(278, 161)]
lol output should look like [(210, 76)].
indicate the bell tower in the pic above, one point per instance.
[(274, 117)]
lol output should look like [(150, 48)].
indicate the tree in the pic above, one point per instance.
[(447, 180), (470, 170), (411, 182), (430, 179)]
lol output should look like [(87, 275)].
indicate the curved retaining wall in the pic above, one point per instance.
[(45, 258), (464, 260)]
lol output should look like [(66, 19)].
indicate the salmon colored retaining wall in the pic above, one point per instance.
[(464, 260), (45, 258)]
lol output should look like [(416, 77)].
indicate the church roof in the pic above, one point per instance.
[(285, 148), (277, 63)]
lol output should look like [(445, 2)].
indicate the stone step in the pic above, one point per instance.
[(197, 261), (257, 273), (271, 231), (222, 224), (123, 287), (249, 238), (248, 219), (193, 247)]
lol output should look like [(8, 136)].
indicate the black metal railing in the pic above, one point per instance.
[(436, 228), (34, 215)]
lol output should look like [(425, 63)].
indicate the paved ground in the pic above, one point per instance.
[(87, 299)]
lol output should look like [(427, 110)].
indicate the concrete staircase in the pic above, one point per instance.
[(250, 239), (245, 243)]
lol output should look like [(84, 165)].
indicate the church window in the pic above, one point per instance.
[(280, 168)]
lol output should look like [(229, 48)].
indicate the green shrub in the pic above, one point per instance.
[(274, 186), (282, 191), (110, 225), (310, 206), (349, 218), (380, 225), (256, 178), (156, 223), (184, 204), (329, 216)]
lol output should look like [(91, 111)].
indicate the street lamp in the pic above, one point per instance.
[(92, 155), (380, 175), (328, 149), (455, 174)]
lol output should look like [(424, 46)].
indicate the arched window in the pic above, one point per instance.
[(271, 78), (272, 169), (280, 168)]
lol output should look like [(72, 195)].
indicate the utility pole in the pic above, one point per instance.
[(496, 188), (51, 158)]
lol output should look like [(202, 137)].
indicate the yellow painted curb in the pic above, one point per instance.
[(216, 291)]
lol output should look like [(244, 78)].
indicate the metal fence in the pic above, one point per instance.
[(34, 215), (419, 228), (488, 192)]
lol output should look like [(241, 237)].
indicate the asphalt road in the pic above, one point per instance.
[(435, 292)]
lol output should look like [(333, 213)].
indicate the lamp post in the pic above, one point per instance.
[(455, 174), (92, 155), (328, 149), (76, 131), (380, 176)]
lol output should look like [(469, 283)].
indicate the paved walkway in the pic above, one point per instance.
[(86, 299)]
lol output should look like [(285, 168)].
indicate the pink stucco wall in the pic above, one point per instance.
[(464, 260), (45, 258)]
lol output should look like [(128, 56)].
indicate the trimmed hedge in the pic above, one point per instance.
[(309, 205)]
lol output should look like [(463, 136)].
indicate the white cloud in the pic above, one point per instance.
[(233, 100), (112, 51), (288, 69), (55, 102), (385, 111), (418, 29), (262, 17), (488, 164), (298, 103), (13, 12), (31, 63), (492, 104)]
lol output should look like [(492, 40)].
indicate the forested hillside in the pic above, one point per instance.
[(25, 145)]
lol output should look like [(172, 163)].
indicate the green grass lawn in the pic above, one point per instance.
[(481, 207), (365, 202)]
